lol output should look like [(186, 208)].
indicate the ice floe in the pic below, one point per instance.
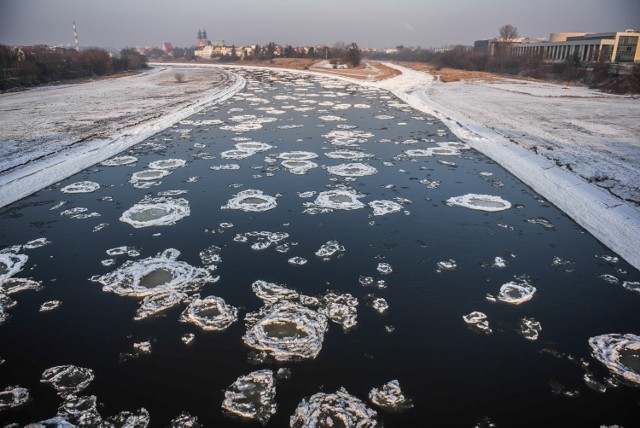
[(13, 396), (68, 379), (298, 167), (50, 305), (252, 397), (338, 199), (348, 155), (167, 164), (384, 268), (347, 137), (342, 309), (329, 249), (225, 167), (297, 261), (530, 328), (148, 175), (449, 264), (120, 251), (253, 146), (36, 243), (188, 338), (120, 160), (80, 411), (474, 201), (271, 293), (251, 200), (143, 347), (478, 320), (285, 331), (516, 292), (379, 305), (619, 353), (433, 151), (297, 155), (153, 275), (163, 211), (355, 169), (210, 314), (389, 397), (10, 264), (261, 240), (383, 207), (237, 154), (631, 286), (159, 302), (337, 409), (81, 187)]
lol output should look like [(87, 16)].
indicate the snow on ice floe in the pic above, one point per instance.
[(10, 264), (298, 167), (50, 305), (348, 155), (347, 137), (210, 314), (68, 379), (297, 155), (431, 184), (337, 199), (384, 268), (355, 169), (530, 328), (263, 240), (515, 292), (154, 275), (120, 160), (148, 175), (237, 154), (297, 261), (225, 167), (251, 200), (79, 213), (329, 249), (120, 251), (478, 320), (157, 303), (167, 164), (81, 187), (474, 201), (448, 264), (342, 309), (271, 293), (337, 409), (285, 331), (383, 207), (631, 286), (13, 396), (253, 146), (619, 353), (36, 243), (379, 305), (389, 397), (161, 211), (252, 396)]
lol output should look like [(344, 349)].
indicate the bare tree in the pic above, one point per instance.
[(508, 33)]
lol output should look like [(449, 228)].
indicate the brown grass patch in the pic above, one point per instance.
[(448, 75)]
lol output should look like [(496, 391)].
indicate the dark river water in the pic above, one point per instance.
[(456, 375)]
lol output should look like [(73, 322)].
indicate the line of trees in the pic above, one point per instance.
[(339, 53), (34, 65)]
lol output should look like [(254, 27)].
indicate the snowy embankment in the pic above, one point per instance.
[(561, 146), (50, 133)]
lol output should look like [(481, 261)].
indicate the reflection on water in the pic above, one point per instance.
[(352, 246)]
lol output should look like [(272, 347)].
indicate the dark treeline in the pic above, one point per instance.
[(600, 74), (340, 53), (35, 65)]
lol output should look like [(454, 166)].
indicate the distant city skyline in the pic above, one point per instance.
[(369, 23)]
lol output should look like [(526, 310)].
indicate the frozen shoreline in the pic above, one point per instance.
[(613, 221)]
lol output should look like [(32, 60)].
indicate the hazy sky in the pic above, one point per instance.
[(370, 23)]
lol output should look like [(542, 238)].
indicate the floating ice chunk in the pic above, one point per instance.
[(449, 264), (226, 167), (167, 164), (79, 213), (431, 184), (157, 303), (185, 420), (80, 411), (348, 155), (68, 379), (237, 154), (609, 259), (557, 261), (479, 321), (379, 305), (347, 137), (13, 396), (299, 167), (619, 353), (516, 292), (251, 200), (156, 212), (173, 192), (252, 396), (211, 314), (119, 251), (211, 256), (120, 160), (447, 163), (593, 383), (326, 251), (499, 262), (188, 338), (148, 175), (36, 243), (330, 118), (609, 278), (297, 155), (342, 309), (530, 328), (339, 199), (632, 286), (329, 410), (541, 221), (356, 169), (384, 117), (253, 146), (108, 262), (50, 305), (81, 187), (297, 261), (383, 207), (286, 331), (142, 347), (271, 293), (10, 264), (432, 151), (138, 419), (361, 106), (384, 268), (454, 145), (390, 397), (17, 285), (342, 106), (474, 201), (154, 275)]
